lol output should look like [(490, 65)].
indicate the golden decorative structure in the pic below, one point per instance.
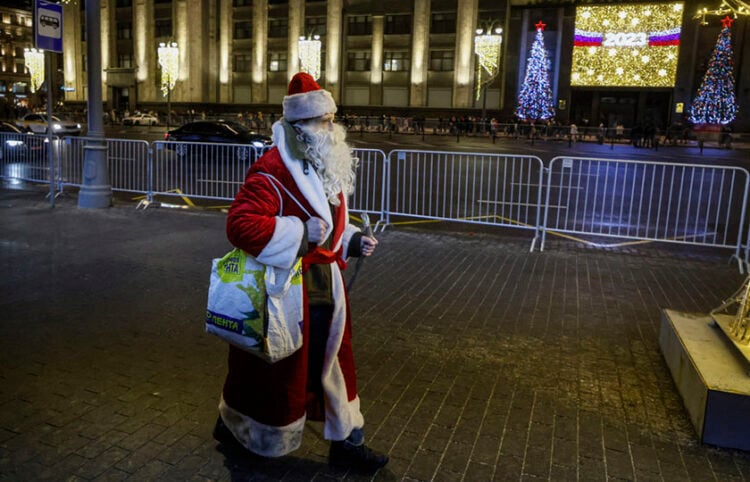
[(309, 55), (35, 63), (727, 7), (487, 44), (736, 326)]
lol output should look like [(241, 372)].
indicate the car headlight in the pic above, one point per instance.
[(257, 144), (13, 143), (78, 126), (56, 126)]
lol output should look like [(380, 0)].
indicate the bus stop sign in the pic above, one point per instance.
[(48, 23)]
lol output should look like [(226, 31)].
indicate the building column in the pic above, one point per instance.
[(144, 50), (376, 60), (463, 80), (259, 80), (333, 48), (189, 33), (72, 53), (296, 30), (225, 51), (108, 45), (420, 49)]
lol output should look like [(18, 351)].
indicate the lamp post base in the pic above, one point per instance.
[(95, 191)]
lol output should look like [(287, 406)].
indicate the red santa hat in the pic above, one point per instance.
[(306, 99)]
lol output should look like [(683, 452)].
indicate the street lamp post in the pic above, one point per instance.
[(487, 42), (169, 60), (309, 55)]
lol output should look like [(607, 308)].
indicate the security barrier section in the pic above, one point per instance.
[(25, 157), (667, 202), (127, 161), (630, 200), (371, 188), (495, 189), (200, 170)]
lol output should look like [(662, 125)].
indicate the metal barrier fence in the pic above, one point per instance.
[(24, 157), (494, 189), (200, 170), (637, 200), (370, 193), (127, 161), (656, 201)]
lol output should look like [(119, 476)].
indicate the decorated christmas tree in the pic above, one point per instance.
[(535, 99), (715, 102)]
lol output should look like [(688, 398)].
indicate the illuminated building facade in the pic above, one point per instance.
[(611, 61), (16, 34)]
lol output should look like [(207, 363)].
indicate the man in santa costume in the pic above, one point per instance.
[(292, 205)]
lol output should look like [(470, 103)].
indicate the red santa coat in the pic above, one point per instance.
[(265, 405)]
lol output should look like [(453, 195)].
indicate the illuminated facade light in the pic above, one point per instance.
[(487, 44), (169, 61), (35, 64), (309, 55)]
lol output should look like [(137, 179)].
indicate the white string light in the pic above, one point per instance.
[(35, 64), (487, 47), (169, 60), (727, 7), (309, 55)]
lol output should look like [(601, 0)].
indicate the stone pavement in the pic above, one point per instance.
[(477, 360)]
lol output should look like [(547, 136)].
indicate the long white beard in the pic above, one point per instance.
[(332, 158)]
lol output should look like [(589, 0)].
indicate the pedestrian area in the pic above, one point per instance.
[(477, 360)]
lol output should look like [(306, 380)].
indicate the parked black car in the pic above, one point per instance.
[(218, 131)]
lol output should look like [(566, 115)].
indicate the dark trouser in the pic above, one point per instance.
[(320, 319)]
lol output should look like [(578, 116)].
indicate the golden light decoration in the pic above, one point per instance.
[(309, 55), (727, 7), (35, 64), (627, 45), (169, 60), (487, 44)]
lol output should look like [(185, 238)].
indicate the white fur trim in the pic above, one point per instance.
[(307, 105), (259, 438), (309, 184), (342, 416), (283, 248)]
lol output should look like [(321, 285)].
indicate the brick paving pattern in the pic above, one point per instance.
[(477, 360)]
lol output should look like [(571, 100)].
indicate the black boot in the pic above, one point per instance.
[(360, 458), (225, 437)]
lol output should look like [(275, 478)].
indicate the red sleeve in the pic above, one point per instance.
[(252, 217)]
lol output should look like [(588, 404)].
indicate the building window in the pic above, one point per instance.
[(243, 30), (397, 24), (358, 61), (84, 63), (125, 61), (396, 61), (316, 25), (163, 27), (124, 30), (162, 1), (124, 3), (443, 23), (441, 60), (84, 36), (278, 27), (277, 62), (243, 63), (359, 25), (242, 3)]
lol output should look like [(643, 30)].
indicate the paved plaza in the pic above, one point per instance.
[(477, 359)]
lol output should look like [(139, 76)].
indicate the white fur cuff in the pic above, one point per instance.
[(308, 105)]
